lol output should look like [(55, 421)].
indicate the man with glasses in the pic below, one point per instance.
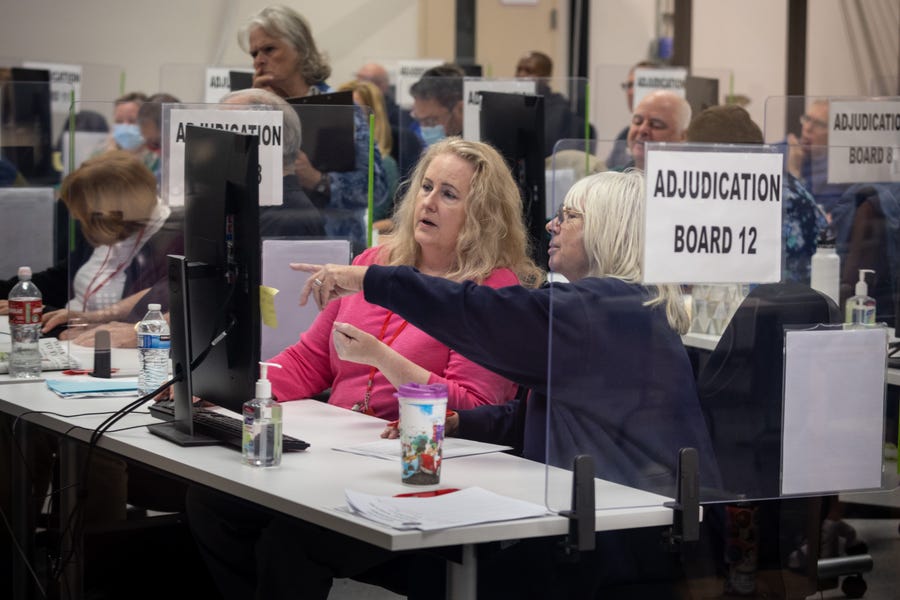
[(660, 116), (808, 156), (438, 103), (618, 158)]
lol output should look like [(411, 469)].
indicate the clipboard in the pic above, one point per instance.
[(328, 130)]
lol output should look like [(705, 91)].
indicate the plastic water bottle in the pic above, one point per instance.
[(25, 309), (153, 350), (825, 272)]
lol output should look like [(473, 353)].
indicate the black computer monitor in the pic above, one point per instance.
[(214, 287), (514, 125)]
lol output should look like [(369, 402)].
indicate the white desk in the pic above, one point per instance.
[(310, 485)]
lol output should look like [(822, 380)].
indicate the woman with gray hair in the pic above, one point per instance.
[(287, 62)]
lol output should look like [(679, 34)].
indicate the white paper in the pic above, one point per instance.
[(713, 217), (833, 430), (466, 507), (450, 448), (472, 100), (649, 80), (864, 141), (271, 158)]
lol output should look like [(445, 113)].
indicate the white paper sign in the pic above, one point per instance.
[(218, 82), (833, 434), (267, 124), (649, 80), (712, 217), (472, 101), (63, 79), (864, 141), (409, 72)]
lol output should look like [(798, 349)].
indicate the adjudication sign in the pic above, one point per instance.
[(864, 141), (713, 217)]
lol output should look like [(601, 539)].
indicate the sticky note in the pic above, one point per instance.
[(267, 306)]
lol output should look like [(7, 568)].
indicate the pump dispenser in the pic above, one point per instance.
[(860, 309), (262, 424)]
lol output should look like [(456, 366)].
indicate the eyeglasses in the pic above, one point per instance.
[(808, 120), (563, 214)]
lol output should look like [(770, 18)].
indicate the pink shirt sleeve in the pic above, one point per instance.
[(306, 366)]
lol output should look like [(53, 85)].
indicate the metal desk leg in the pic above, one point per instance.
[(71, 546), (22, 511), (462, 577)]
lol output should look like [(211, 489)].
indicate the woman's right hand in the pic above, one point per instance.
[(4, 307)]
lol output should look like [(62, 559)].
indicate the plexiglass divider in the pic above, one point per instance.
[(120, 237), (778, 386)]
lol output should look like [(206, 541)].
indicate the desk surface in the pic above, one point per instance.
[(310, 485)]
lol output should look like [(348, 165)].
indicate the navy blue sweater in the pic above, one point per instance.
[(614, 379)]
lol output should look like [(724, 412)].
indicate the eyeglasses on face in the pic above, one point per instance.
[(814, 122), (564, 214)]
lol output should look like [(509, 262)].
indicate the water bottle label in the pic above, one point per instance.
[(25, 312), (155, 341)]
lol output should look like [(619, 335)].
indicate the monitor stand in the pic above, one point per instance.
[(181, 430)]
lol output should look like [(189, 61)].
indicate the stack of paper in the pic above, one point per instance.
[(85, 386), (53, 356), (466, 507)]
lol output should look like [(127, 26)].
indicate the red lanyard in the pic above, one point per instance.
[(90, 290), (364, 406)]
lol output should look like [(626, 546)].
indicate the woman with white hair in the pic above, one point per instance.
[(620, 385)]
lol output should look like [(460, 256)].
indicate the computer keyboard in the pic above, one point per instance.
[(225, 428)]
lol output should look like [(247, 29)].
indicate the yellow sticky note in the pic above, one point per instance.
[(267, 306)]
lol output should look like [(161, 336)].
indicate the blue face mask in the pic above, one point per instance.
[(127, 136), (432, 135)]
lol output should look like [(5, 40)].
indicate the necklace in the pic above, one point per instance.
[(363, 406), (91, 288)]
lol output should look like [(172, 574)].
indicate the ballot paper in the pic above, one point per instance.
[(468, 506), (451, 447)]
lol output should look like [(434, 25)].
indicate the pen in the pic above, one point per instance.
[(428, 494)]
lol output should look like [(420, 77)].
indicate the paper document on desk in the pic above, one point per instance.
[(470, 506), (451, 448), (53, 356), (85, 386)]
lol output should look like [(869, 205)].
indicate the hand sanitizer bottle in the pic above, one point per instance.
[(860, 309), (262, 424)]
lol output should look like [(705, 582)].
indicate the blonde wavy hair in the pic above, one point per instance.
[(112, 195), (613, 206), (372, 97), (493, 235)]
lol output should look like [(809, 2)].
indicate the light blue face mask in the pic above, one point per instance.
[(127, 136), (432, 135)]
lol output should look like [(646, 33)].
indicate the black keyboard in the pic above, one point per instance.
[(225, 428)]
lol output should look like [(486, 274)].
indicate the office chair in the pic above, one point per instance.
[(740, 391)]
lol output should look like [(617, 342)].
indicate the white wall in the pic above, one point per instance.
[(141, 38)]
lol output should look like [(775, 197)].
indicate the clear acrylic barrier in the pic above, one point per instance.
[(564, 113), (195, 83), (610, 400), (133, 268)]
